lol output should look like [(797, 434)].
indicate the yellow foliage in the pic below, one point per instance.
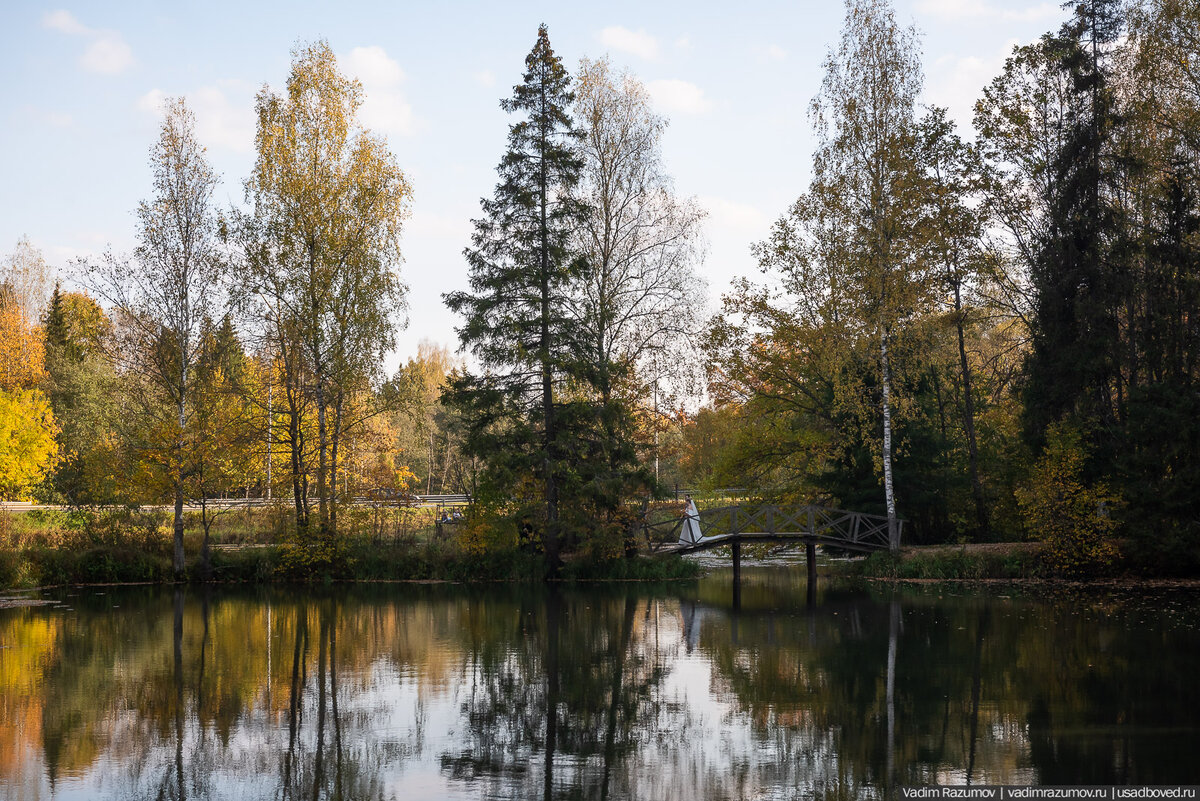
[(1075, 521), (405, 478), (483, 533), (28, 448), (22, 350)]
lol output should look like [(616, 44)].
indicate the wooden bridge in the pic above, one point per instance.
[(812, 525)]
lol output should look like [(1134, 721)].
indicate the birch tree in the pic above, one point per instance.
[(322, 246), (640, 301), (28, 278), (866, 177), (164, 294)]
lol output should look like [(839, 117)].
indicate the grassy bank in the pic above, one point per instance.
[(1011, 560), (121, 546)]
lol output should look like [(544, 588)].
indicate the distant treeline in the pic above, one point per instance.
[(993, 336)]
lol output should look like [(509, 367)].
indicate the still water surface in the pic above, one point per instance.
[(605, 691)]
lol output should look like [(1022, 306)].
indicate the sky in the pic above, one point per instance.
[(80, 105)]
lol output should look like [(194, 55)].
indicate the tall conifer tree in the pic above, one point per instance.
[(1073, 368), (517, 320)]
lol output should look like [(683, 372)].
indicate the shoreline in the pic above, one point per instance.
[(48, 568)]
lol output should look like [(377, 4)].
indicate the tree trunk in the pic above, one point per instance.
[(319, 751), (177, 560), (888, 492), (553, 614), (206, 522), (322, 460), (270, 431), (551, 543), (333, 459), (295, 444), (614, 700), (297, 687), (981, 511)]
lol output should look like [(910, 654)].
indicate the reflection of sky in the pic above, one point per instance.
[(403, 715)]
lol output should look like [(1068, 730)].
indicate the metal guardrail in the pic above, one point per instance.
[(679, 492), (419, 501)]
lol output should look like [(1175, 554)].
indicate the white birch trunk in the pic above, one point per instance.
[(888, 492)]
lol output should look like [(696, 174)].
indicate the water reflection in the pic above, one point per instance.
[(626, 692)]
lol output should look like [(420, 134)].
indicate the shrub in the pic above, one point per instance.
[(1075, 521)]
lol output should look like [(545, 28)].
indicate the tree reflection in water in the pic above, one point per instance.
[(628, 692), (562, 693)]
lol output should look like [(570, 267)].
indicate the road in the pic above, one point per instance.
[(420, 502)]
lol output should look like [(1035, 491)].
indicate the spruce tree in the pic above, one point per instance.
[(1073, 369), (517, 321)]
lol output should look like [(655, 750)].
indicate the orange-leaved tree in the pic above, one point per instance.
[(28, 448)]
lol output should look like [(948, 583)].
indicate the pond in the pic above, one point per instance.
[(599, 691)]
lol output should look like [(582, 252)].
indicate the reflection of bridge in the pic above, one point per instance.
[(812, 525)]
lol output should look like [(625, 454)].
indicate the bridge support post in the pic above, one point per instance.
[(737, 574), (810, 561)]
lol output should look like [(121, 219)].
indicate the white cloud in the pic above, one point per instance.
[(109, 55), (384, 109), (106, 51), (683, 43), (980, 9), (63, 21), (956, 82), (372, 65), (638, 43), (152, 101), (224, 113), (485, 78), (681, 97), (740, 218)]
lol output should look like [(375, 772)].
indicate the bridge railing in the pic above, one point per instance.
[(834, 526)]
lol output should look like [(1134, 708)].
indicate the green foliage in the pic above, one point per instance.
[(86, 395), (1075, 329), (1075, 520), (1161, 478), (953, 564), (558, 441), (85, 547), (308, 558), (428, 437)]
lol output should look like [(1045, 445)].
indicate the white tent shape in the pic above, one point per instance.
[(689, 532)]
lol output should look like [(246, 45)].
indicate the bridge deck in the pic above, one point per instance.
[(732, 525), (708, 543)]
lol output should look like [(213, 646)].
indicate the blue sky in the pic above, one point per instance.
[(82, 83)]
